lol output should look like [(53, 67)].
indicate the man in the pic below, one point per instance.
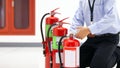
[(100, 17)]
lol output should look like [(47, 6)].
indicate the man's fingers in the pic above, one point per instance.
[(78, 36)]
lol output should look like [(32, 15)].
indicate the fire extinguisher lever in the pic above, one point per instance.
[(53, 12), (63, 19)]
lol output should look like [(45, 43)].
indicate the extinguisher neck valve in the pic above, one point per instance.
[(71, 36), (60, 24), (53, 14)]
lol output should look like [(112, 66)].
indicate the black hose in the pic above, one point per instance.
[(41, 29), (59, 44), (49, 44)]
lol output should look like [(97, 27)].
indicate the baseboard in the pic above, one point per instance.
[(20, 45), (24, 45)]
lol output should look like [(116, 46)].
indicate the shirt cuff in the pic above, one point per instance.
[(93, 29)]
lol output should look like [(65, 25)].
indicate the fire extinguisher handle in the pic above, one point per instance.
[(55, 10)]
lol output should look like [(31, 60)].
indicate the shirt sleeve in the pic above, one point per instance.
[(108, 19), (78, 19)]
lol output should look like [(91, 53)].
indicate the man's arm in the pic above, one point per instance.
[(108, 21), (78, 19)]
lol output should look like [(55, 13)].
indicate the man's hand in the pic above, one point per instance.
[(82, 32)]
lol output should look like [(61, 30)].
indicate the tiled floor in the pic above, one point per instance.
[(21, 57)]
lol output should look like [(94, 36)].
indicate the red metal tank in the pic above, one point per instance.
[(58, 32), (71, 52), (49, 21), (71, 42)]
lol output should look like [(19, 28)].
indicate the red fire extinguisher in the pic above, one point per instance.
[(58, 32), (70, 57), (49, 21)]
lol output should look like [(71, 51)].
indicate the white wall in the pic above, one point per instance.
[(67, 9)]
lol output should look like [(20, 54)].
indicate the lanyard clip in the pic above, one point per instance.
[(91, 22)]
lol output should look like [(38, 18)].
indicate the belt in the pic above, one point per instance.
[(102, 35)]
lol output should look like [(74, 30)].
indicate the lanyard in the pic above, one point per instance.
[(91, 9)]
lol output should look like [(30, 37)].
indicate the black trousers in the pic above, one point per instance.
[(117, 54), (97, 52), (116, 58)]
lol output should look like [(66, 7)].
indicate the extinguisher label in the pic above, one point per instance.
[(69, 58), (50, 33), (57, 58), (78, 56), (55, 42)]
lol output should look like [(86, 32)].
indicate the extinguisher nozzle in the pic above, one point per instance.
[(51, 64)]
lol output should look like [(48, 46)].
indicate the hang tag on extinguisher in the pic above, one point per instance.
[(78, 56), (57, 57), (70, 57)]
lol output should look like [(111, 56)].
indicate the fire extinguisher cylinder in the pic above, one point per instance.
[(50, 20), (58, 32), (71, 52)]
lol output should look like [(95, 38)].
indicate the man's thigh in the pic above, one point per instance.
[(103, 55)]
